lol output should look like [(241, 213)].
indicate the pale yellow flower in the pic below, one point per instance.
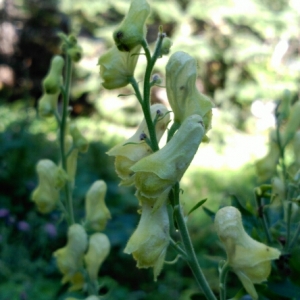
[(249, 259), (158, 172), (148, 244), (132, 31), (135, 148), (99, 247), (69, 259), (96, 211)]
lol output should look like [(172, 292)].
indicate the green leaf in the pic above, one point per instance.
[(209, 212), (200, 203)]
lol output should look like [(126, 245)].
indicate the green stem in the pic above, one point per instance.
[(136, 88), (223, 276), (63, 126), (191, 258), (147, 88), (177, 248), (288, 229), (263, 218)]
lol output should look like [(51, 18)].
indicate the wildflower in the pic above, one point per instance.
[(99, 247), (159, 171), (149, 242), (97, 213), (53, 79), (116, 68), (70, 258), (249, 259), (135, 148), (46, 195), (47, 105), (132, 30), (183, 96)]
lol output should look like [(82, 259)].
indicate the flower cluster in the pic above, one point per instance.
[(155, 171), (82, 250)]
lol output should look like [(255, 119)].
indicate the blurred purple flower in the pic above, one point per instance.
[(50, 229), (23, 226), (4, 212)]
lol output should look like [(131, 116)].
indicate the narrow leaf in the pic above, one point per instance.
[(200, 203)]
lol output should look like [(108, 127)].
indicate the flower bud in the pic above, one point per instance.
[(99, 247), (75, 53), (116, 68), (150, 241), (166, 45), (79, 141), (97, 213), (47, 105), (184, 98), (132, 31), (249, 259), (69, 259), (135, 148), (72, 165), (53, 80), (46, 195), (159, 171)]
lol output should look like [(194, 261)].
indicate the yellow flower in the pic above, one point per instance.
[(183, 96), (70, 258), (99, 247), (97, 213), (135, 148), (116, 67), (158, 172), (149, 242), (249, 259), (46, 194), (132, 30)]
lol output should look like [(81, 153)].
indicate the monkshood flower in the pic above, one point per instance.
[(96, 211), (79, 141), (183, 96), (158, 172), (249, 259), (148, 244), (69, 259), (135, 148), (53, 80), (46, 194), (116, 67), (132, 31), (99, 247)]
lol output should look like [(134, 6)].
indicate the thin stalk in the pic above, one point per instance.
[(223, 277), (191, 258), (136, 88), (147, 87), (177, 248), (288, 229), (63, 126), (295, 238)]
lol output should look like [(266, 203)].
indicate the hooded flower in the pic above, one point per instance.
[(53, 79), (135, 148), (99, 247), (158, 172), (96, 211), (183, 96), (149, 242), (132, 30), (116, 67), (249, 259), (70, 258), (47, 105), (46, 194)]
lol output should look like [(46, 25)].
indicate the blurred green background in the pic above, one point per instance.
[(247, 53)]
